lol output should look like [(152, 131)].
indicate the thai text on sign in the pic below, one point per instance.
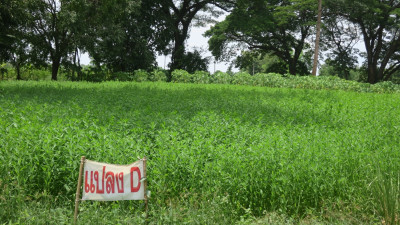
[(107, 182)]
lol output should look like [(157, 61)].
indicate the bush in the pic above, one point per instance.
[(121, 76), (386, 86), (266, 79), (140, 76), (181, 76), (242, 78), (201, 77), (94, 74), (158, 75), (221, 78)]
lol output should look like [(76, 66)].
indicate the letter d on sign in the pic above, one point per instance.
[(137, 170)]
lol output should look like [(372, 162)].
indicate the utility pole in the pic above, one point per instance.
[(314, 71), (165, 60)]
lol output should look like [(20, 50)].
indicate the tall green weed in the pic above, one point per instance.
[(297, 152)]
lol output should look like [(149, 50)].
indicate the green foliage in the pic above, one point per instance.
[(270, 27), (140, 76), (173, 19), (201, 77), (386, 193), (217, 153), (11, 17), (181, 76), (158, 75), (121, 76), (378, 23), (253, 62), (221, 78), (242, 78), (123, 41), (266, 80), (193, 61)]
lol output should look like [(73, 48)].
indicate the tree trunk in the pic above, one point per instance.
[(177, 55), (314, 71), (18, 67), (372, 74), (54, 68), (292, 67)]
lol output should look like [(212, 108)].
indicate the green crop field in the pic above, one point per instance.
[(217, 154)]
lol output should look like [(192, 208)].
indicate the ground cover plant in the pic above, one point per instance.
[(217, 153)]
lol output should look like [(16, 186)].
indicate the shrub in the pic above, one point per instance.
[(266, 79), (181, 76), (201, 77), (221, 78), (386, 86), (140, 76), (94, 74), (158, 75), (242, 78), (121, 76)]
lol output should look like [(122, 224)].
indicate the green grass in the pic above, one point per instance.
[(217, 154)]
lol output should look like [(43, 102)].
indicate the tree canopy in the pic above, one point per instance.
[(379, 24), (277, 27)]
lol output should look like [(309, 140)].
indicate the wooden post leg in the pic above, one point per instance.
[(78, 189), (145, 187)]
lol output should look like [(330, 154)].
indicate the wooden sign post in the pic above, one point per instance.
[(78, 189)]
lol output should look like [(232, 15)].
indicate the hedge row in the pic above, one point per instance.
[(266, 80)]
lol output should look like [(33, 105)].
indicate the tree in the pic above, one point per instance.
[(10, 20), (175, 19), (13, 44), (379, 23), (280, 27), (254, 62), (125, 41), (193, 61), (339, 39), (50, 30)]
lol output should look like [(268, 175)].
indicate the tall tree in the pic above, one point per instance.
[(339, 40), (50, 29), (10, 20), (379, 23), (13, 43), (280, 27), (177, 16), (125, 41)]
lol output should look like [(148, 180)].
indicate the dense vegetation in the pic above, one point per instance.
[(217, 153)]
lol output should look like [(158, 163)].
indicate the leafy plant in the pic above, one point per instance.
[(386, 194), (158, 75), (140, 76), (201, 77), (181, 76), (221, 78)]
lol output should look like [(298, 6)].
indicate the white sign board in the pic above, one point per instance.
[(107, 182)]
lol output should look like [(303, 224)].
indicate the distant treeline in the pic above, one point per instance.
[(255, 35)]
